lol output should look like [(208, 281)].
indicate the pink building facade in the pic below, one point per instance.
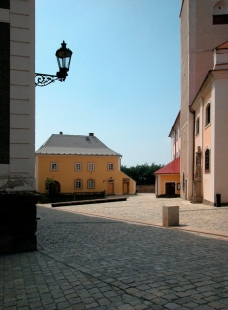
[(210, 110), (203, 113)]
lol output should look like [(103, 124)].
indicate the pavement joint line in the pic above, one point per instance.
[(148, 223), (91, 276)]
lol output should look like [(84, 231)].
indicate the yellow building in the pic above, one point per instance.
[(167, 182), (81, 164)]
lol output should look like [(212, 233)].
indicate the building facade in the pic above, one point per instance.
[(17, 131), (175, 138), (167, 182), (17, 95), (204, 25), (211, 129), (81, 164)]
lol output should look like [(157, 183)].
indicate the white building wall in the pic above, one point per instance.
[(19, 174), (198, 38), (220, 139)]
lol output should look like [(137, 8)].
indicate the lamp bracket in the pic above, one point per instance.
[(44, 79)]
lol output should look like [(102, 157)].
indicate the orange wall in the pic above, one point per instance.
[(66, 174), (167, 178)]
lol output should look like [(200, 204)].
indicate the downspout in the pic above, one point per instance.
[(193, 157)]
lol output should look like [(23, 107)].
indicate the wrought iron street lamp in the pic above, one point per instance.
[(63, 56)]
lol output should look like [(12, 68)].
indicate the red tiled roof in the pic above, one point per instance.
[(171, 168)]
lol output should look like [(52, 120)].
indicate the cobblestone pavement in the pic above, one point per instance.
[(88, 262), (146, 207)]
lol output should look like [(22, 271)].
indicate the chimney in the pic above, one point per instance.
[(91, 134), (60, 132)]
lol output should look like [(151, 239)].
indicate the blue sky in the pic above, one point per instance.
[(124, 79)]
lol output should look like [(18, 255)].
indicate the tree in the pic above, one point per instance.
[(50, 187), (142, 174)]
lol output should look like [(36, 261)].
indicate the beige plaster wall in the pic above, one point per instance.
[(21, 169), (220, 139)]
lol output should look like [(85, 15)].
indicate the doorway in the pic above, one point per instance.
[(125, 186), (170, 190), (110, 188)]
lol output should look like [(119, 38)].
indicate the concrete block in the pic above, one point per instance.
[(19, 150), (170, 216), (20, 49), (19, 63), (19, 92), (19, 106), (19, 77), (19, 35), (19, 7), (19, 136), (20, 21), (4, 16), (19, 165), (19, 121)]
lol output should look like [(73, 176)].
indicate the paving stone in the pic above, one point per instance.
[(91, 305), (125, 307), (190, 305), (203, 307), (141, 307), (216, 305), (171, 306), (109, 294), (211, 298), (103, 301)]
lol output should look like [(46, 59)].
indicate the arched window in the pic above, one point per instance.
[(208, 115), (197, 125), (220, 13), (207, 160)]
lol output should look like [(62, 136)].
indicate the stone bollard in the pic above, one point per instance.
[(170, 216)]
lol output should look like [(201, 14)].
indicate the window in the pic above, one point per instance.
[(207, 160), (90, 184), (78, 184), (54, 166), (90, 166), (208, 115), (78, 166), (197, 125), (220, 13), (110, 166), (220, 19)]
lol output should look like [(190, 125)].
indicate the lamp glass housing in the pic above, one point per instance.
[(63, 56)]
